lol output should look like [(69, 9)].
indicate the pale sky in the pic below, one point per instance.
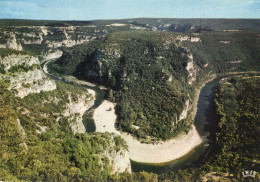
[(120, 9)]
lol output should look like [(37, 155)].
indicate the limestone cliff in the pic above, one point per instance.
[(76, 109), (192, 71), (49, 55), (25, 74), (10, 41), (118, 156), (44, 41), (14, 60), (23, 134), (184, 113), (119, 161)]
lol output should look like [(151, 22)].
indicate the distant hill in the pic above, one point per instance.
[(169, 24), (197, 24)]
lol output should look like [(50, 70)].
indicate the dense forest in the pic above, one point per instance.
[(54, 155), (219, 52), (145, 75), (234, 146), (234, 140)]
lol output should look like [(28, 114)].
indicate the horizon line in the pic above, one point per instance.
[(128, 19)]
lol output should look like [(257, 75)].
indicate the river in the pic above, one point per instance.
[(204, 117)]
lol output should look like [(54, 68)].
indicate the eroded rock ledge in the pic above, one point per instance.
[(25, 74)]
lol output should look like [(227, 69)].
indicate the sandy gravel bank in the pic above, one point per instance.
[(105, 118)]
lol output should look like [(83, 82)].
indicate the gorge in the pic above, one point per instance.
[(111, 99)]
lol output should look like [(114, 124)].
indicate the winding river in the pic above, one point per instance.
[(204, 117)]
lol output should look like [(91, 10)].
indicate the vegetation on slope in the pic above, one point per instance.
[(6, 52), (197, 24), (146, 76), (54, 155), (137, 67), (235, 144), (136, 83), (220, 52)]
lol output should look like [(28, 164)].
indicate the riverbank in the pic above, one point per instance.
[(159, 152)]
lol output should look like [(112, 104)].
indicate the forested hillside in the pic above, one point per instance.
[(235, 144), (36, 147), (220, 52), (151, 69), (149, 74), (146, 76)]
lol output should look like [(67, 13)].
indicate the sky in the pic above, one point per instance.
[(121, 9)]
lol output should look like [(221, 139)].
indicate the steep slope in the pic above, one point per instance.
[(52, 121), (146, 75), (220, 52), (234, 145), (151, 75), (24, 73), (47, 40)]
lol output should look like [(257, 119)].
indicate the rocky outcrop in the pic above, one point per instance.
[(118, 156), (42, 129), (184, 113), (188, 38), (119, 161), (33, 81), (192, 72), (52, 55), (50, 39), (225, 42), (11, 42), (22, 132), (14, 60), (29, 79), (235, 62), (76, 109)]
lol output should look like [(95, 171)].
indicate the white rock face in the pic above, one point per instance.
[(13, 60), (191, 69), (39, 35), (184, 113), (76, 110), (119, 161), (32, 81), (52, 55), (36, 80), (11, 43), (21, 129), (42, 129), (225, 42), (188, 38), (195, 39), (235, 62)]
